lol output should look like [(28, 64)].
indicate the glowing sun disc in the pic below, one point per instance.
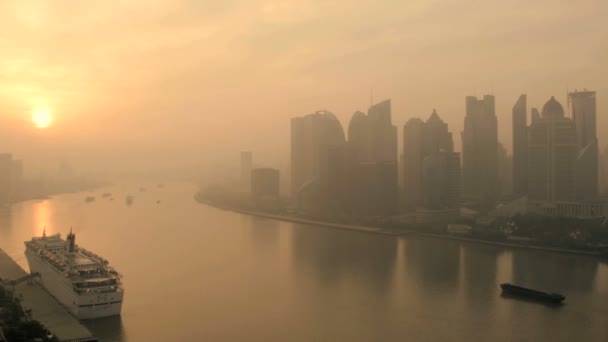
[(42, 118)]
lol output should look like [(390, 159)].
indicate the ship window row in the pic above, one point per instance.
[(96, 284)]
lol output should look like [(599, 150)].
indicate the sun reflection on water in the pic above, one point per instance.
[(42, 218)]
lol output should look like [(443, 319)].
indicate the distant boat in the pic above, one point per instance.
[(160, 185), (157, 201), (89, 199), (142, 189), (129, 200), (107, 194), (518, 291)]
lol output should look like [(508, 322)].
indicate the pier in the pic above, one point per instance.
[(44, 308)]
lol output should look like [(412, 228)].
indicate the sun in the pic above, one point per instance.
[(42, 117)]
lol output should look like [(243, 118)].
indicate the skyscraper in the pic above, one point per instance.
[(420, 140), (311, 137), (520, 146), (368, 164), (342, 180), (413, 156), (552, 153), (246, 166), (436, 136), (441, 181), (480, 150), (360, 136), (505, 171), (6, 172), (265, 183), (381, 174), (582, 107), (603, 182), (432, 171), (383, 135)]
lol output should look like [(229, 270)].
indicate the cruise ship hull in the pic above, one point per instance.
[(82, 305)]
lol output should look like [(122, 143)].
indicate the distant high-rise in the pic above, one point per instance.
[(6, 177), (480, 150), (583, 112), (453, 189), (342, 179), (441, 181), (360, 136), (311, 137), (383, 135), (382, 177), (505, 171), (535, 115), (436, 136), (420, 140), (246, 166), (520, 147), (413, 156), (265, 183), (365, 170), (552, 152), (582, 106), (603, 182)]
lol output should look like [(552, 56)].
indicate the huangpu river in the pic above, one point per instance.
[(197, 273)]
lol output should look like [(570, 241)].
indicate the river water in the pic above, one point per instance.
[(194, 273)]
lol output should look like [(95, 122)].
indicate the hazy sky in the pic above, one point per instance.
[(187, 82)]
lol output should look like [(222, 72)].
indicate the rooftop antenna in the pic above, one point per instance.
[(44, 232)]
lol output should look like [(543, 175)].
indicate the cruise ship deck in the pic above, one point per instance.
[(45, 308)]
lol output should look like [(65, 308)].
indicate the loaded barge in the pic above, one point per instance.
[(518, 291)]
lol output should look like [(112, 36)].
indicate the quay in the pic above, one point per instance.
[(44, 308)]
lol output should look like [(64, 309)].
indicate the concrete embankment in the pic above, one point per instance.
[(399, 232), (44, 308)]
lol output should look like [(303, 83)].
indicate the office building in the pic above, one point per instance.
[(246, 166), (265, 183), (413, 156), (359, 177), (374, 140), (441, 178), (311, 137), (552, 154), (582, 107), (479, 150), (420, 140), (520, 146)]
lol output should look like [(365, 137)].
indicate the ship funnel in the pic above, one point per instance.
[(71, 242)]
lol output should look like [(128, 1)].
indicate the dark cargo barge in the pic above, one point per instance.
[(518, 291)]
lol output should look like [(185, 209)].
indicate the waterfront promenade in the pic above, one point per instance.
[(401, 231), (44, 308)]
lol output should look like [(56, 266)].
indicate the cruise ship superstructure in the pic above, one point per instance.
[(79, 279)]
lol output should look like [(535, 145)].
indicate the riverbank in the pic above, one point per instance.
[(399, 231), (31, 190)]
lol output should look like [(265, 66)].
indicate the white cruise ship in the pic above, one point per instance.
[(80, 280)]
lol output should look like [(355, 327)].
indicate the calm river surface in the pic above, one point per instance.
[(195, 273)]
